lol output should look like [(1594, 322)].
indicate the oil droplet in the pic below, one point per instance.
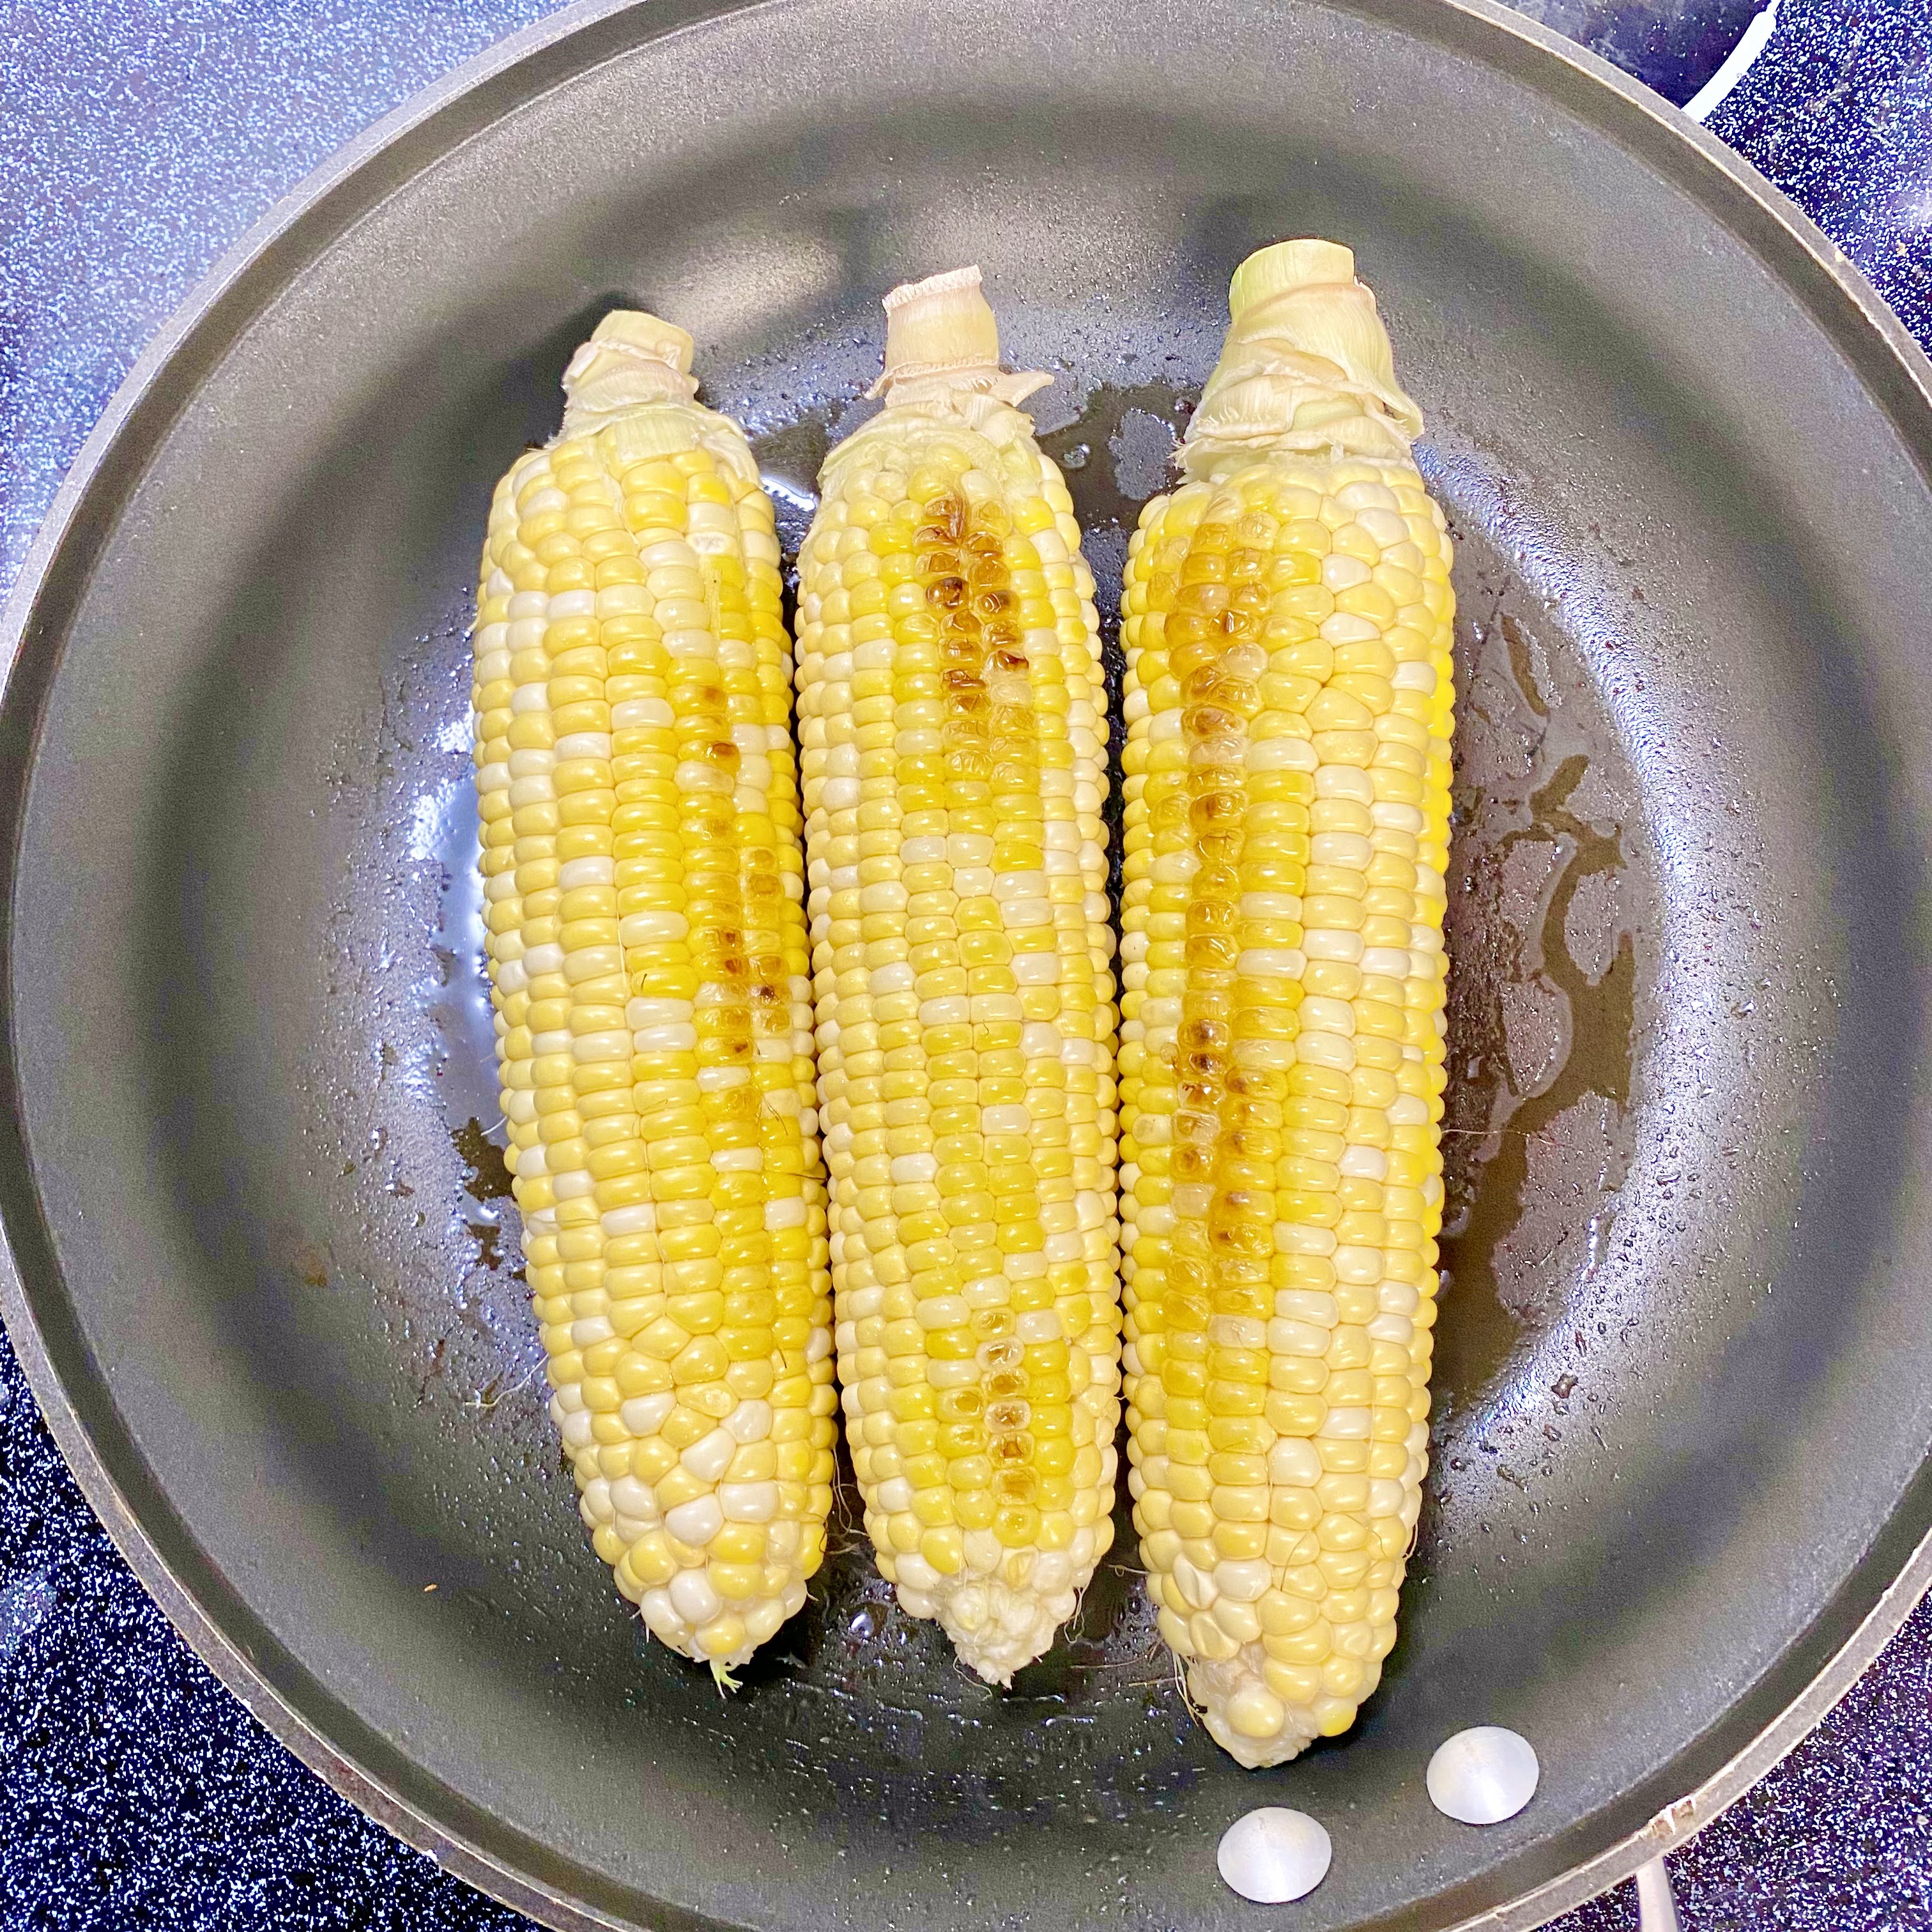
[(1274, 1855), (1483, 1776), (1077, 457)]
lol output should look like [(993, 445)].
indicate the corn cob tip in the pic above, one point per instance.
[(941, 335), (1307, 366), (631, 359), (1238, 1711), (1002, 1620), (1019, 1628)]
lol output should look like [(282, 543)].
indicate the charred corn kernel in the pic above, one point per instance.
[(643, 878), (951, 710), (1289, 703)]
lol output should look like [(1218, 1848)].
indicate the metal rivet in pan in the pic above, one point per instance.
[(1273, 1855), (1483, 1776)]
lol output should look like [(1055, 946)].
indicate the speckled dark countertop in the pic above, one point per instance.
[(138, 141)]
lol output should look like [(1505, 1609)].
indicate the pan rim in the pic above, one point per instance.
[(1819, 276)]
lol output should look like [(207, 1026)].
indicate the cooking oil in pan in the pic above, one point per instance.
[(1545, 924)]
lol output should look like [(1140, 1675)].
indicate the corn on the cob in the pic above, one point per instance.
[(644, 888), (1289, 704), (950, 708)]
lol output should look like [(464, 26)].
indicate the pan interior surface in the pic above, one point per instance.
[(1685, 1383)]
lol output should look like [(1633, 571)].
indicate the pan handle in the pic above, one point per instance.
[(1656, 1909), (1736, 64)]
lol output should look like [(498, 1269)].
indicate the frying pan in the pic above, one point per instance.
[(261, 1267)]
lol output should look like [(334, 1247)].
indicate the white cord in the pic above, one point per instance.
[(1656, 1909), (1705, 102)]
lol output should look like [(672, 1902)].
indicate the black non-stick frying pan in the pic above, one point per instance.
[(263, 1272)]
